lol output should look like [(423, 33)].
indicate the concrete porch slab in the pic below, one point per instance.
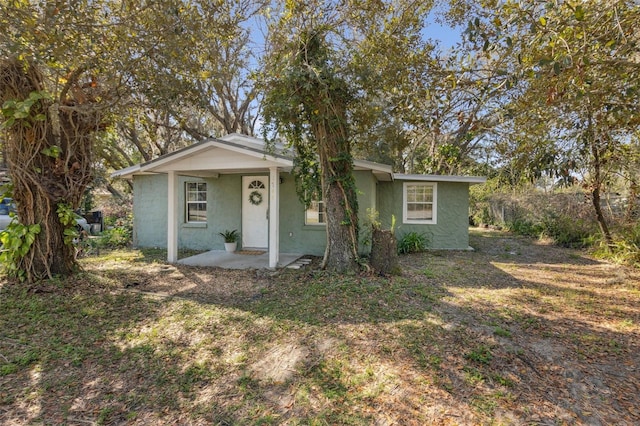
[(225, 260)]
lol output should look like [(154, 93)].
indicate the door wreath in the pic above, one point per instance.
[(255, 198)]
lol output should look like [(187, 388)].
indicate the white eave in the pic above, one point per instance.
[(231, 154), (235, 153), (382, 172), (127, 172), (441, 178)]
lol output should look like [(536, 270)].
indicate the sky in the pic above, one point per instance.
[(446, 35)]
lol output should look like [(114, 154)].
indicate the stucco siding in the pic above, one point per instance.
[(224, 211), (451, 230), (150, 211), (295, 236)]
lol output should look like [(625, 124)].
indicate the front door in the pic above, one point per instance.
[(255, 211)]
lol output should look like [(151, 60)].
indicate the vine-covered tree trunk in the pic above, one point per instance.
[(328, 118), (308, 104), (48, 147), (340, 199)]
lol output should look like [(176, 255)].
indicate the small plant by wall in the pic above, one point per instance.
[(412, 242)]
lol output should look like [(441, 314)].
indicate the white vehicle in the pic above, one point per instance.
[(7, 206)]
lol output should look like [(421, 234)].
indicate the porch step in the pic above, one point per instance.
[(299, 263)]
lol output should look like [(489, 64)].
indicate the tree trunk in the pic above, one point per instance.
[(49, 157), (384, 252), (341, 204), (602, 223), (597, 185)]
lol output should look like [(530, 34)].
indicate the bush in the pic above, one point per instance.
[(566, 231), (523, 226), (625, 248), (563, 230), (117, 235), (412, 242)]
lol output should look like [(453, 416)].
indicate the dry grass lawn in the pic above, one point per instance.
[(517, 332)]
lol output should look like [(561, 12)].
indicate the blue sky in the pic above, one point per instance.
[(446, 35)]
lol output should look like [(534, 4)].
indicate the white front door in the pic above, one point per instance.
[(255, 211)]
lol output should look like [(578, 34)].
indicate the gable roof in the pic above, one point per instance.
[(231, 154), (235, 153)]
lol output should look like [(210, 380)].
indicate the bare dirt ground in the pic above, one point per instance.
[(517, 332)]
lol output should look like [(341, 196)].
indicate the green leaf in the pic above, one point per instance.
[(52, 151), (543, 21), (579, 13), (70, 232)]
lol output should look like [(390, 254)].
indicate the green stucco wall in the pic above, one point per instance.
[(295, 236), (224, 205), (452, 228), (150, 212)]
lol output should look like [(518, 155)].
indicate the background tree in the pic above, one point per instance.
[(426, 109), (69, 70), (579, 75)]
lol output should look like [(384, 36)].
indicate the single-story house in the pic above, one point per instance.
[(186, 198)]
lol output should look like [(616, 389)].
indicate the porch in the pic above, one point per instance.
[(239, 260)]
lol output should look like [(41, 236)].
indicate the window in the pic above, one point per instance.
[(315, 213), (256, 184), (419, 203), (196, 202)]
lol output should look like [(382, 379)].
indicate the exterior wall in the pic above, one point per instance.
[(224, 211), (452, 228), (295, 236), (150, 211), (224, 204)]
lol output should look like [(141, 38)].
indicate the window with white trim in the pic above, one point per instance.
[(315, 213), (420, 202), (196, 202)]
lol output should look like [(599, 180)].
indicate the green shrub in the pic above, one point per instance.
[(117, 235), (412, 242), (566, 231), (625, 248), (563, 230), (525, 227)]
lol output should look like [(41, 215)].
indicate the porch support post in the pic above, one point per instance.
[(172, 219), (274, 217)]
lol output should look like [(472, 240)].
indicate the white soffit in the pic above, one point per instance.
[(441, 178)]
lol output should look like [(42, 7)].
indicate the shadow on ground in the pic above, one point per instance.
[(513, 333)]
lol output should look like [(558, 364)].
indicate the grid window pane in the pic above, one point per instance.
[(315, 214), (419, 202), (196, 201)]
